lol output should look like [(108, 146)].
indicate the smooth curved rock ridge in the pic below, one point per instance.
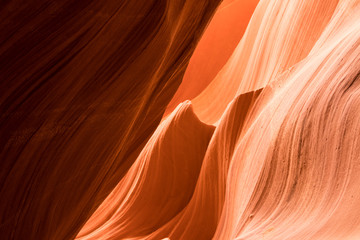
[(279, 35), (135, 207), (85, 156), (200, 217), (293, 157), (158, 185), (295, 171), (217, 44)]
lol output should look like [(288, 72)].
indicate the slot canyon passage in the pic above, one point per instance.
[(180, 119)]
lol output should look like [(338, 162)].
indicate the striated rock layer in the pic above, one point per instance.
[(283, 161), (159, 184), (214, 48), (83, 85), (267, 149)]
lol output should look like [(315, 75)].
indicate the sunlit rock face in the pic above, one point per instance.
[(218, 42), (180, 119)]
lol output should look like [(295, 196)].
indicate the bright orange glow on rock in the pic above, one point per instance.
[(180, 120)]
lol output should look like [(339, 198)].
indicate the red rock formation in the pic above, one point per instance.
[(281, 160), (200, 218), (83, 86), (214, 49), (279, 35), (294, 173), (158, 185), (281, 164)]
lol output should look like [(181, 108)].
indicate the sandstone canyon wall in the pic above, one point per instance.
[(180, 119)]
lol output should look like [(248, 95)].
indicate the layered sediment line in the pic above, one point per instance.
[(83, 86), (267, 149)]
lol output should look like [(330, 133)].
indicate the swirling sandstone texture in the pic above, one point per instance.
[(83, 85), (103, 137)]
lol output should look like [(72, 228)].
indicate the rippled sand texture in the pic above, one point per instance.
[(267, 148)]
